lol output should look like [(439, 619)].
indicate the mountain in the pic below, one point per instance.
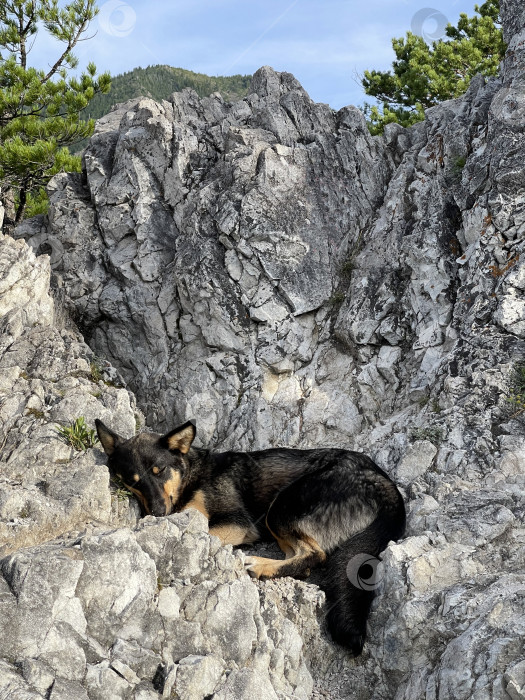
[(158, 82)]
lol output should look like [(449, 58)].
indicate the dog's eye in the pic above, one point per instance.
[(158, 470)]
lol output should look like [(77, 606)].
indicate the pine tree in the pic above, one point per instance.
[(424, 75), (39, 110)]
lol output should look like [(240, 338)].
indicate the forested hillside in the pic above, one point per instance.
[(159, 82)]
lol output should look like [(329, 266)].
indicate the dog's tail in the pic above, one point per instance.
[(351, 573)]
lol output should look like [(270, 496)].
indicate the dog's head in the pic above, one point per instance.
[(152, 466)]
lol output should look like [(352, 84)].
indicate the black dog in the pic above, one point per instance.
[(325, 506)]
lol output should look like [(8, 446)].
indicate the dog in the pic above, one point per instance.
[(331, 508)]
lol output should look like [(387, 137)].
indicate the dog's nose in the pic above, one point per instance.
[(159, 510)]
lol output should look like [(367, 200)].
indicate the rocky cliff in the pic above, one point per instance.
[(273, 271)]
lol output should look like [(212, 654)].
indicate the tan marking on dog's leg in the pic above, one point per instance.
[(234, 534), (303, 548), (313, 546), (198, 502), (285, 546), (171, 490)]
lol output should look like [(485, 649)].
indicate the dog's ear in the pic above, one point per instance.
[(179, 439), (107, 437)]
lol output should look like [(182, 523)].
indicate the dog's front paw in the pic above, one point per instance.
[(260, 567), (252, 566)]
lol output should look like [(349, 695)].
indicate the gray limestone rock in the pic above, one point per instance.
[(93, 614), (47, 379)]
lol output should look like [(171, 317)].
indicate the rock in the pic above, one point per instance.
[(246, 684), (93, 618), (13, 686), (103, 682), (417, 461), (515, 680), (48, 380), (63, 690), (197, 676)]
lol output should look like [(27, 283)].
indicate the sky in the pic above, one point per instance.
[(326, 44)]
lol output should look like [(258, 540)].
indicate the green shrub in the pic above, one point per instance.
[(95, 370), (35, 413), (77, 434), (433, 434), (516, 394)]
